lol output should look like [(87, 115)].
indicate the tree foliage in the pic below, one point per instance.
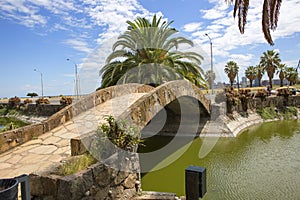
[(270, 61), (260, 71), (32, 94), (270, 14), (148, 53), (251, 74), (231, 69)]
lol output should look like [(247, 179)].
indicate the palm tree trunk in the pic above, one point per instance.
[(270, 82), (281, 82), (251, 83)]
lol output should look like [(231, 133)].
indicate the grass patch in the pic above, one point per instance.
[(76, 164), (274, 113), (10, 123)]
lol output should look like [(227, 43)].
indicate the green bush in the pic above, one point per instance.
[(273, 113), (120, 134)]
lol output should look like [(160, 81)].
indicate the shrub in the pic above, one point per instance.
[(42, 101), (26, 101), (120, 134), (14, 102), (65, 100), (76, 164)]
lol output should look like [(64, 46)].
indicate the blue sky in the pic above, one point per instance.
[(42, 34)]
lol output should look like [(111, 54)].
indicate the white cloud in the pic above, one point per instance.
[(191, 27), (79, 45)]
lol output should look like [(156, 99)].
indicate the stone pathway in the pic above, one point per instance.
[(54, 146)]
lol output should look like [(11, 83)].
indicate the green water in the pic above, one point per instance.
[(6, 121), (263, 162)]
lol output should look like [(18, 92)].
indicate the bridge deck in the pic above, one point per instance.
[(54, 146)]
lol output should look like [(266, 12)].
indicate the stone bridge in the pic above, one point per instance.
[(37, 147)]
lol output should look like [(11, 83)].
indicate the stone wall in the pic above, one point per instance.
[(271, 101), (40, 109), (18, 136), (96, 182)]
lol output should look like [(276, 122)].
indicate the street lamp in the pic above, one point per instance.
[(211, 64), (76, 88), (42, 84)]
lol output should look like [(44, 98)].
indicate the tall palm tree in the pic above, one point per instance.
[(270, 61), (281, 71), (231, 69), (260, 70), (270, 14), (148, 53), (291, 75), (251, 74)]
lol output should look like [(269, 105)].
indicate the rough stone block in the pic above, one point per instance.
[(129, 182)]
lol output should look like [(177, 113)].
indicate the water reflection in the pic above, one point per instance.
[(261, 163)]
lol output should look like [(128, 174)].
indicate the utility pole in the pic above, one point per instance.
[(42, 83), (76, 87), (211, 64)]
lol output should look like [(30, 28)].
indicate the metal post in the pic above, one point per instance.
[(195, 182), (25, 186), (42, 83), (211, 64), (76, 87)]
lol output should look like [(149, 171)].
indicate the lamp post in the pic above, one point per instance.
[(211, 64), (42, 84), (76, 88)]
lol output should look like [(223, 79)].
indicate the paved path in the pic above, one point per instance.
[(54, 146)]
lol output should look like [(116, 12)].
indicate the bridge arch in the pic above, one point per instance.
[(144, 109)]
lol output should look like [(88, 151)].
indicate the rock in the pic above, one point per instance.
[(128, 194), (129, 182), (102, 193)]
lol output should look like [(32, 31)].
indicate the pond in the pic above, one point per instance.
[(263, 162), (7, 120)]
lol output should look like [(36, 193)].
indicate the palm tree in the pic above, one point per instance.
[(270, 14), (270, 61), (231, 69), (281, 71), (251, 74), (291, 75), (259, 73), (148, 53), (210, 77)]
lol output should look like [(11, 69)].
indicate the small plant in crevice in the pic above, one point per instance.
[(75, 164), (120, 134)]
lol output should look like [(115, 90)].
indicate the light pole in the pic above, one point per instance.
[(42, 84), (76, 88), (211, 64)]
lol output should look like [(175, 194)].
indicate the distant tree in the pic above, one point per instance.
[(270, 13), (270, 61), (231, 69), (291, 75), (32, 94), (251, 74), (210, 77), (281, 71), (260, 70)]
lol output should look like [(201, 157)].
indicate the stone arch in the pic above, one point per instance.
[(144, 109)]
